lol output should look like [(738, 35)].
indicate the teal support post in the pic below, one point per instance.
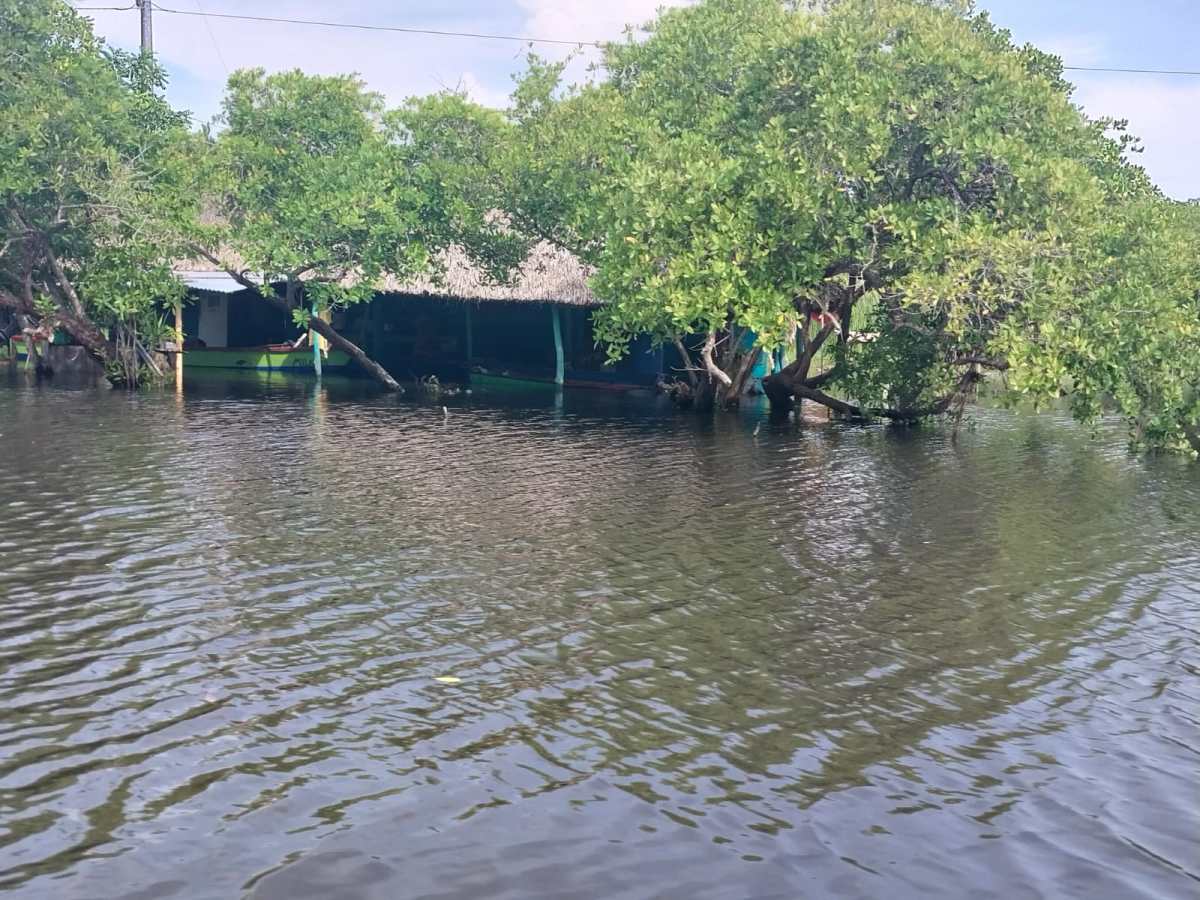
[(470, 336), (316, 344), (559, 362)]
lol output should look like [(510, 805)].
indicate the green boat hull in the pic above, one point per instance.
[(262, 359)]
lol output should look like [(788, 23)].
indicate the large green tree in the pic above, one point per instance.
[(89, 156), (317, 193), (893, 184)]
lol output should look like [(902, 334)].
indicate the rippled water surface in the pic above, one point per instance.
[(676, 659)]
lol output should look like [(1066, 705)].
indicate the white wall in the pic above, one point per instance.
[(214, 320)]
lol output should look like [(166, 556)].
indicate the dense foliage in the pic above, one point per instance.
[(892, 190), (318, 193), (89, 153), (894, 184)]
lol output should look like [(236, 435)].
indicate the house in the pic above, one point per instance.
[(459, 326)]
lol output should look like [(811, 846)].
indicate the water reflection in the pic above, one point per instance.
[(694, 659)]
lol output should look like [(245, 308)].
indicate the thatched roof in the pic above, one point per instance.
[(548, 275)]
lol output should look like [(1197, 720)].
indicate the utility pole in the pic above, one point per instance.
[(146, 7)]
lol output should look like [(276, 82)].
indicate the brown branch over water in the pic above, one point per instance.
[(290, 302)]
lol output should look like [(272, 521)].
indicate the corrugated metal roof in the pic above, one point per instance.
[(213, 282)]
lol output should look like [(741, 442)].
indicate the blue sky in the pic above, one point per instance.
[(200, 52)]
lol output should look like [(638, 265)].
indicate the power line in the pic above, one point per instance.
[(511, 37), (212, 37), (393, 28), (1130, 71)]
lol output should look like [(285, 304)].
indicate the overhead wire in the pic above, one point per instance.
[(525, 39), (359, 26), (1131, 71), (212, 37)]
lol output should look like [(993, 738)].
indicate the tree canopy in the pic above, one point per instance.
[(895, 183), (893, 190), (89, 153), (317, 192)]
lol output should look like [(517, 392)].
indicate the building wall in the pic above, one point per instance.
[(414, 336), (242, 319), (213, 326), (254, 322)]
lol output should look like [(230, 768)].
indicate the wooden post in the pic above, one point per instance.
[(559, 362), (144, 8), (179, 346), (315, 340)]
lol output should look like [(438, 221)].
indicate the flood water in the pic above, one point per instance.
[(677, 658)]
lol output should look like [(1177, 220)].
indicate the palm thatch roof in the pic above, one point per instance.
[(548, 275)]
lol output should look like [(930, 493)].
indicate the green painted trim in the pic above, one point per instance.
[(559, 361), (261, 359)]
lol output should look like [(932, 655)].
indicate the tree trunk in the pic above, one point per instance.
[(722, 380), (742, 365), (85, 333), (780, 390), (82, 330), (374, 369), (705, 397), (288, 302), (355, 352), (787, 385)]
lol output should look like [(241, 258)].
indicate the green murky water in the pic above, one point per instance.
[(677, 659)]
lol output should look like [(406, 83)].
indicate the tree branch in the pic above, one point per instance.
[(706, 354), (238, 276), (1000, 365), (910, 414), (11, 301), (686, 358)]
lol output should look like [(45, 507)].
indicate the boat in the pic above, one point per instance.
[(267, 358), (14, 349)]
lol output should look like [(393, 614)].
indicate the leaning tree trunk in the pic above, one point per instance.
[(88, 335), (372, 368), (793, 382), (335, 338), (81, 328), (288, 303)]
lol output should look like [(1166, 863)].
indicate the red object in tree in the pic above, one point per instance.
[(824, 318)]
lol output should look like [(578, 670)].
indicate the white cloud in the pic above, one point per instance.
[(1076, 49), (1161, 110), (1164, 112), (588, 20), (202, 51), (585, 20), (483, 94)]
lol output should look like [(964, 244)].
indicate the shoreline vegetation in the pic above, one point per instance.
[(890, 198)]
